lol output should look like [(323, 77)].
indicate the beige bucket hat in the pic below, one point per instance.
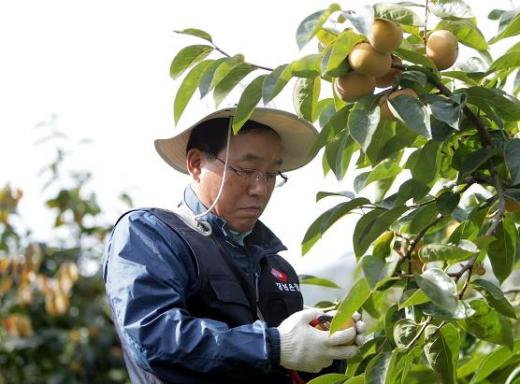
[(298, 137)]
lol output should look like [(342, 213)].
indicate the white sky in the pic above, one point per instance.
[(102, 68)]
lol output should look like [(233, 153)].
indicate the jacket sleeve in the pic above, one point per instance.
[(148, 271)]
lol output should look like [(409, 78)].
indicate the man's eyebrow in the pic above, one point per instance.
[(253, 157)]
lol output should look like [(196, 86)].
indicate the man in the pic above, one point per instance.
[(201, 295)]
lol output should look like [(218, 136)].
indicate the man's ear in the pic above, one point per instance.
[(194, 163)]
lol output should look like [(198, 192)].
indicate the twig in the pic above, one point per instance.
[(492, 228), (420, 235), (228, 55), (426, 9), (421, 331)]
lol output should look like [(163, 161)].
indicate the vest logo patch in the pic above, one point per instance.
[(279, 275), (289, 287)]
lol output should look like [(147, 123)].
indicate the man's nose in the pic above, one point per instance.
[(259, 186)]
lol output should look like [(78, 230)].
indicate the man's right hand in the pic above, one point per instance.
[(305, 348)]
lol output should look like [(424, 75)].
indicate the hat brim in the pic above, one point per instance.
[(298, 137)]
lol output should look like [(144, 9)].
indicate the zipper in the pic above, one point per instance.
[(257, 292), (258, 312)]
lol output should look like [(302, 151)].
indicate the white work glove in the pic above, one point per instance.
[(359, 324), (305, 348)]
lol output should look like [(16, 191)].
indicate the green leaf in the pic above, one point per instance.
[(447, 202), (507, 106), (326, 219), (508, 61), (313, 280), (502, 251), (388, 140), (397, 13), (382, 246), (225, 86), (512, 158), (312, 23), (276, 81), (423, 216), (385, 170), (487, 324), (411, 188), (376, 271), (404, 332), (494, 296), (448, 252), (359, 379), (411, 78), (469, 367), (415, 58), (412, 113), (391, 316), (416, 298), (188, 56), (512, 28), (447, 111), (188, 86), (207, 78), (378, 368), (332, 126), (494, 361), (340, 48), (443, 353), (356, 297), (462, 76), (462, 311), (321, 194), (363, 120), (439, 287), (466, 32), (247, 103), (451, 8), (196, 32), (408, 364), (346, 148), (305, 97), (329, 378), (475, 160), (372, 225), (361, 19), (225, 68), (307, 66)]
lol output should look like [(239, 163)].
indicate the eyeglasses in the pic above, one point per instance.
[(249, 176)]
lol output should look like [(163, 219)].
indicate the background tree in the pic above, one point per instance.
[(56, 324), (438, 149)]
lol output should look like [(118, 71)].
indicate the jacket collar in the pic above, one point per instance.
[(259, 236)]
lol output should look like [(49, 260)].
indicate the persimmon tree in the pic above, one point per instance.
[(55, 323), (439, 152)]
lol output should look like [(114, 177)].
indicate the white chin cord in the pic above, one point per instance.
[(195, 221)]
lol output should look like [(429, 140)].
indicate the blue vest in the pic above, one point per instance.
[(224, 293)]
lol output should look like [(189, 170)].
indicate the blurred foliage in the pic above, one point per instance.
[(55, 325)]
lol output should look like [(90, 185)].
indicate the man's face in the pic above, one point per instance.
[(243, 198)]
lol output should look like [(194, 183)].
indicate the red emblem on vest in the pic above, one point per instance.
[(279, 275)]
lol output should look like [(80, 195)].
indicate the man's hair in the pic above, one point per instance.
[(210, 136)]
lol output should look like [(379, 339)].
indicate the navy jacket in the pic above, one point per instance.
[(150, 272)]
